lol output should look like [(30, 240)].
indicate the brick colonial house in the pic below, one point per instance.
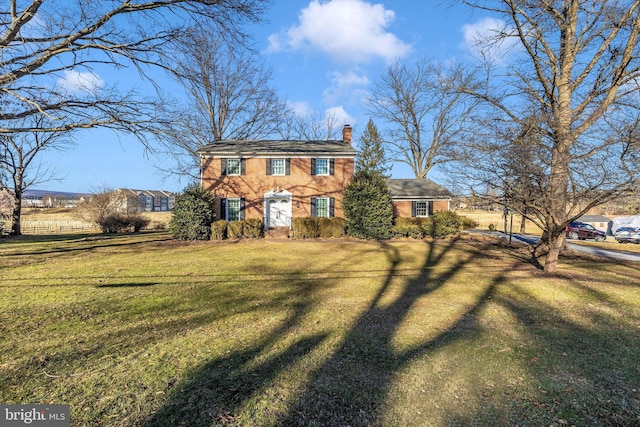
[(277, 181)]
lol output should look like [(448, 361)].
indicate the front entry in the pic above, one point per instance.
[(279, 212)]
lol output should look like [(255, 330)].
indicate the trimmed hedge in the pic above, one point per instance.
[(219, 230), (438, 225), (410, 227), (247, 228), (234, 230), (445, 223), (252, 228), (333, 227), (313, 227)]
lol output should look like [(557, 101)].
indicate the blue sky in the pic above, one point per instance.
[(324, 56)]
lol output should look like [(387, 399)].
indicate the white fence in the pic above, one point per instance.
[(56, 227)]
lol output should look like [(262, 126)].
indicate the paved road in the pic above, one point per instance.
[(621, 255)]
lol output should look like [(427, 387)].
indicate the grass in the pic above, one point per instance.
[(140, 330), (484, 219), (37, 221), (610, 244)]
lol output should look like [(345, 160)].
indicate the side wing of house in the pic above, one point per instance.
[(418, 197), (277, 181)]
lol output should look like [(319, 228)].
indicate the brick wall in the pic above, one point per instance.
[(402, 208), (255, 183)]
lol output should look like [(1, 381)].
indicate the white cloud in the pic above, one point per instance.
[(339, 115), (348, 31), (484, 39), (76, 81), (300, 108), (344, 85)]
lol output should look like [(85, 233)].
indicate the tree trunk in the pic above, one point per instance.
[(522, 225), (16, 213), (558, 198), (555, 247)]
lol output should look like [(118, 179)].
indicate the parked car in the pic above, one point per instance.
[(582, 231), (628, 235)]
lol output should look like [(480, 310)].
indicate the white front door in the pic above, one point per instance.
[(279, 212)]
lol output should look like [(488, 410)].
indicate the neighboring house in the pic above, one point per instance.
[(418, 197), (277, 181), (146, 200), (599, 222)]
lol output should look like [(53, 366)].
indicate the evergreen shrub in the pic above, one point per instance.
[(252, 228), (234, 230), (193, 214), (219, 230)]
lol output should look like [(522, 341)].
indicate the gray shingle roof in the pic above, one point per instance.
[(593, 218), (249, 148), (417, 188)]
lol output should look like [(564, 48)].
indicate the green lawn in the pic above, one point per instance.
[(145, 331)]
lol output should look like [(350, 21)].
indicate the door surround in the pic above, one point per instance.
[(277, 208)]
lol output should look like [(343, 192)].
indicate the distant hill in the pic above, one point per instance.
[(38, 194)]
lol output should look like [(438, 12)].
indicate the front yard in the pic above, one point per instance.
[(144, 331)]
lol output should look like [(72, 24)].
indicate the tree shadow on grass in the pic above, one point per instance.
[(126, 285), (347, 388), (71, 243), (214, 392), (582, 368), (351, 387)]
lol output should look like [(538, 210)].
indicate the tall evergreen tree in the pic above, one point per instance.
[(372, 157), (367, 201)]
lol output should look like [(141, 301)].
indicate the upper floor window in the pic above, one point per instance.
[(278, 167), (233, 167), (321, 166)]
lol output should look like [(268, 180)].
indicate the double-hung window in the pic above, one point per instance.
[(233, 209), (233, 167), (421, 208), (322, 166), (322, 207), (277, 167)]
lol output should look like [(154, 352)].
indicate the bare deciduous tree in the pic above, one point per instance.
[(51, 55), (228, 97), (316, 126), (102, 203), (40, 41), (576, 72), (20, 166), (425, 113), (113, 211)]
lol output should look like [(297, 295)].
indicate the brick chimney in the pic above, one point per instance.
[(346, 134)]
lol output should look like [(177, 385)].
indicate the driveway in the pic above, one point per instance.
[(607, 253)]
